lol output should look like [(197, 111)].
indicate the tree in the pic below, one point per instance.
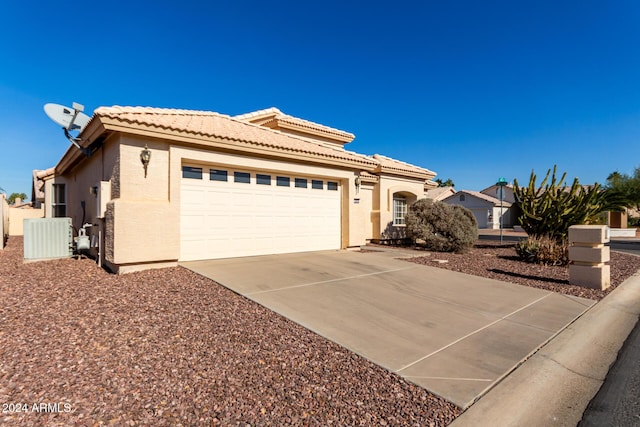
[(626, 185), (12, 198), (447, 183), (550, 209)]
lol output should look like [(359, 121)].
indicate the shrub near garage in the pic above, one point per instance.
[(442, 227)]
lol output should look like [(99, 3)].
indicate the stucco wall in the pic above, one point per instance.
[(383, 209), (17, 216)]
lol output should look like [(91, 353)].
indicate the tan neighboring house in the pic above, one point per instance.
[(20, 211), (217, 186)]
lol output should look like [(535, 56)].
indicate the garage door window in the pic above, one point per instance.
[(191, 172), (218, 175), (316, 184), (301, 183), (263, 179), (242, 177), (332, 186), (399, 210), (283, 181)]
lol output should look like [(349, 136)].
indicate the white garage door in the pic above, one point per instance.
[(230, 213), (481, 217)]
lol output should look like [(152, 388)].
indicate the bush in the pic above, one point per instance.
[(543, 250), (442, 227)]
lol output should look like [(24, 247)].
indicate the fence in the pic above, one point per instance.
[(4, 220)]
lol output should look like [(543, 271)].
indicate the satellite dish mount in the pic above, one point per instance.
[(71, 119)]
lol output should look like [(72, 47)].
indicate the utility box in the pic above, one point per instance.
[(589, 256)]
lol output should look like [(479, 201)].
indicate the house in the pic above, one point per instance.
[(166, 185), (20, 211), (486, 207)]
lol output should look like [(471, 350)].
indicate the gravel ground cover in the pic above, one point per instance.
[(493, 260), (79, 346)]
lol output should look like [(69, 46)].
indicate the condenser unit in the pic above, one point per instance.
[(46, 238)]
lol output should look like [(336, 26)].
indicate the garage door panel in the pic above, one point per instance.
[(228, 219)]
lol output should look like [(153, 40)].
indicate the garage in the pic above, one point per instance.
[(231, 212)]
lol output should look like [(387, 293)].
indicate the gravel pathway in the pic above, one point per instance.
[(79, 346)]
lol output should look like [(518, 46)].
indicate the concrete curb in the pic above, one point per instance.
[(555, 385)]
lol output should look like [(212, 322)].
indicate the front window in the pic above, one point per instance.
[(59, 201), (399, 210)]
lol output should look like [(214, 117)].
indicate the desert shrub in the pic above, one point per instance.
[(543, 250), (551, 208), (442, 227)]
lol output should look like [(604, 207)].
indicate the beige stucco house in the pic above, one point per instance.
[(218, 186)]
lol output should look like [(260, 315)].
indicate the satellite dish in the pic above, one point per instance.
[(71, 119)]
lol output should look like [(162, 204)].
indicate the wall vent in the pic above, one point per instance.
[(46, 238)]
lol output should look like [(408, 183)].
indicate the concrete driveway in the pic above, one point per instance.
[(451, 333)]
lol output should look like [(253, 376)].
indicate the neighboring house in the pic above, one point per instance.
[(20, 211), (439, 193), (486, 209), (218, 186)]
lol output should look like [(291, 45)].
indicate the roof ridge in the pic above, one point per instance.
[(378, 156), (156, 110)]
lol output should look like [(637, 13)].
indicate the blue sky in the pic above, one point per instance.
[(471, 90)]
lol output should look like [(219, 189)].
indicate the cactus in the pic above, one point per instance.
[(550, 209)]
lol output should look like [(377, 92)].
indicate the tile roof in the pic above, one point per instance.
[(440, 193), (274, 117), (387, 164), (209, 124), (482, 196)]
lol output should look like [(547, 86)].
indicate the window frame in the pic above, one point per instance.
[(57, 204), (280, 181), (400, 209), (191, 170), (242, 177), (218, 175)]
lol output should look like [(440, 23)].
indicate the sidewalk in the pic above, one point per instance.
[(555, 385)]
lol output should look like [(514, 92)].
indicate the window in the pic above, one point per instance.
[(59, 201), (462, 197), (399, 210), (316, 184), (263, 179), (242, 177), (282, 181), (218, 175), (301, 183), (191, 172), (332, 186)]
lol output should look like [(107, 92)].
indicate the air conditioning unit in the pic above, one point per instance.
[(47, 238)]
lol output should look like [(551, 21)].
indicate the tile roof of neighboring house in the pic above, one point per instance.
[(211, 124), (440, 193), (389, 165), (273, 117), (39, 176), (482, 196)]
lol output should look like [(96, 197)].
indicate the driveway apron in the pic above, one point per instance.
[(454, 334)]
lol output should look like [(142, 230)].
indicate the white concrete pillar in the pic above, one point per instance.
[(589, 256)]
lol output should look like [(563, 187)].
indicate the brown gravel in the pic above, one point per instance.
[(496, 261), (169, 347)]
